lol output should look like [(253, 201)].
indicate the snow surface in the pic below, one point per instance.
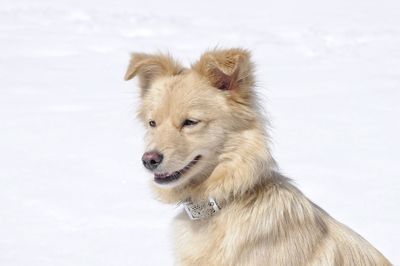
[(72, 188)]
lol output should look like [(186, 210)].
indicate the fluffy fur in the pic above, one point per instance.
[(265, 220)]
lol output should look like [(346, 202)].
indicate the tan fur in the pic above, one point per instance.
[(265, 220)]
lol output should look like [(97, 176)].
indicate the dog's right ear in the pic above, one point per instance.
[(150, 67)]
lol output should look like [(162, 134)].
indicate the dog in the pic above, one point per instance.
[(208, 150)]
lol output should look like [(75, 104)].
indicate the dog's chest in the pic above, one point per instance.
[(199, 242)]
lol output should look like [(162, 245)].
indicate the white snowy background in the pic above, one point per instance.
[(72, 187)]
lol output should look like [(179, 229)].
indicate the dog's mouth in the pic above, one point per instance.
[(163, 178)]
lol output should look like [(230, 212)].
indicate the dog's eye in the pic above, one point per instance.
[(189, 122), (152, 123)]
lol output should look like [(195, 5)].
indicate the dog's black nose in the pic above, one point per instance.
[(152, 159)]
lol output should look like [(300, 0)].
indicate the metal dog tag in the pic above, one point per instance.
[(201, 210)]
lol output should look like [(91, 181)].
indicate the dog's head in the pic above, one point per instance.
[(191, 113)]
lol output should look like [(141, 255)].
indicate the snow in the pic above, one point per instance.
[(72, 187)]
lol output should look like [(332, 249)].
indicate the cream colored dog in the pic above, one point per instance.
[(207, 149)]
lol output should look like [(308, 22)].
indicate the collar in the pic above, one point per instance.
[(202, 209)]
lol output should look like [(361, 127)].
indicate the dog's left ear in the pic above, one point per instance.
[(227, 70), (149, 67)]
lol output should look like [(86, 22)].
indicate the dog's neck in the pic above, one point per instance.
[(206, 208)]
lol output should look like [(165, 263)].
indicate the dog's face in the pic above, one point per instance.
[(188, 113), (184, 119)]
